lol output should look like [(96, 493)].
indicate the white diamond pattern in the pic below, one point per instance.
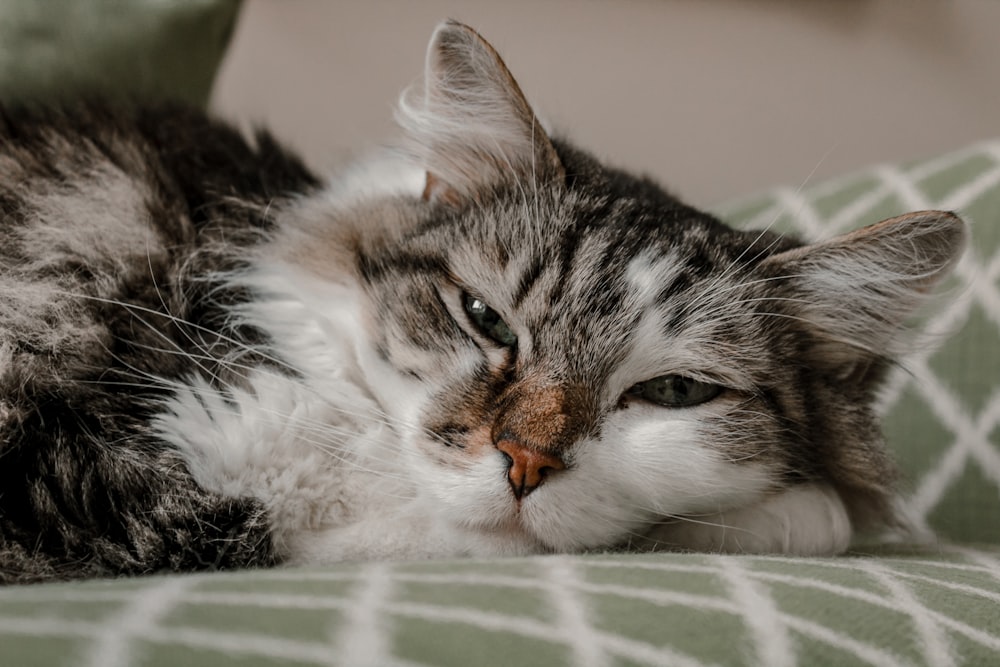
[(753, 592)]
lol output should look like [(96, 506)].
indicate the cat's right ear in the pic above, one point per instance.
[(470, 125)]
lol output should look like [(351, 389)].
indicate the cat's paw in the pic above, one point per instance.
[(804, 520), (409, 533)]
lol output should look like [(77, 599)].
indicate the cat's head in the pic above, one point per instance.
[(576, 353)]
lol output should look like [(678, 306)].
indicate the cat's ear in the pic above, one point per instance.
[(470, 125), (856, 291)]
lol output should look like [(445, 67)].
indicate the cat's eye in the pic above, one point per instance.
[(675, 391), (489, 321)]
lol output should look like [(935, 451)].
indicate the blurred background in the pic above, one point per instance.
[(715, 98)]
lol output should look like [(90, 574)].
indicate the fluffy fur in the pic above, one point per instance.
[(209, 360)]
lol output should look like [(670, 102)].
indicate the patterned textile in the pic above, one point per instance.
[(930, 605), (680, 609)]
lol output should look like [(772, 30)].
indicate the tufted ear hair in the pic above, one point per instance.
[(855, 291), (470, 125)]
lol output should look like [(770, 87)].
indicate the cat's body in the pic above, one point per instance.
[(492, 346)]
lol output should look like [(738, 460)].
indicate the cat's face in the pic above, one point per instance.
[(575, 354), (628, 357)]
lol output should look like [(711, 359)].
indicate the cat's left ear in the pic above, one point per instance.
[(471, 126), (855, 291)]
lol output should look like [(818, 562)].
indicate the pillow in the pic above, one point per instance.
[(140, 48)]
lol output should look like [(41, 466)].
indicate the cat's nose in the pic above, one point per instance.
[(528, 467)]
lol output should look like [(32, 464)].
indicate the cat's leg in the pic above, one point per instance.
[(803, 520), (410, 534)]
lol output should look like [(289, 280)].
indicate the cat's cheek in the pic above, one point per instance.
[(403, 378), (668, 460), (401, 396), (646, 463)]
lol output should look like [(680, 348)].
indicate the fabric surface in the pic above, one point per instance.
[(935, 605), (943, 406), (140, 48), (918, 608)]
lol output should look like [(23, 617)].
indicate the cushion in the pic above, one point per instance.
[(932, 604), (926, 607), (140, 48)]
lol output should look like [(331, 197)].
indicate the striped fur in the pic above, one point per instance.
[(208, 360)]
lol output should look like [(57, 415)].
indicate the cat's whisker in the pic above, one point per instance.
[(305, 425), (334, 438), (745, 457), (166, 309), (709, 289), (767, 228), (695, 307), (786, 316), (387, 420), (338, 454), (692, 519), (133, 307), (712, 316), (203, 357), (153, 379), (643, 537), (757, 281), (177, 348)]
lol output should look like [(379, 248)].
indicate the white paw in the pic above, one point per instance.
[(804, 520)]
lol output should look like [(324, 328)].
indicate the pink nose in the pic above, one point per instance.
[(528, 467)]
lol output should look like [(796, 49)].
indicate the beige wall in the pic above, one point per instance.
[(714, 97)]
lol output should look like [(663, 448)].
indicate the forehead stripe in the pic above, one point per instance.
[(373, 268), (527, 281)]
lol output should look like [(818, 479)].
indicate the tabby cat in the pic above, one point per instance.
[(482, 343)]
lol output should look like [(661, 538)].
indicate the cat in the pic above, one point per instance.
[(482, 343)]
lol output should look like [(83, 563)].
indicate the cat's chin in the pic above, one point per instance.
[(549, 522)]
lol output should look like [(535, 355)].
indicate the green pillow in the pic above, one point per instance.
[(52, 49), (943, 405)]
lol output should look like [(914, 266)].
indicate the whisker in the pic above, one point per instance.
[(177, 320)]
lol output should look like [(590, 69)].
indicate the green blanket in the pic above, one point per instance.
[(920, 608)]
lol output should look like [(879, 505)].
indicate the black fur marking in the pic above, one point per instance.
[(680, 283), (527, 281), (88, 489)]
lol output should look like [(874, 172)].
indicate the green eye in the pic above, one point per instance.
[(489, 321), (675, 391)]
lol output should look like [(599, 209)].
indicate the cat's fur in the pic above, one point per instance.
[(208, 359)]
